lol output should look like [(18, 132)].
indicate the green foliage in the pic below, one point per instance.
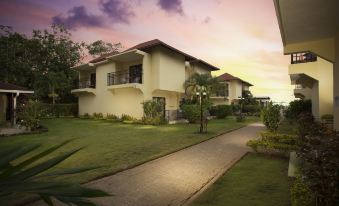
[(126, 118), (98, 115), (319, 152), (100, 47), (60, 110), (298, 107), (273, 143), (200, 83), (29, 114), (18, 176), (191, 112), (86, 116), (301, 195), (153, 112), (240, 118), (251, 109), (271, 116), (112, 117), (221, 111), (327, 117)]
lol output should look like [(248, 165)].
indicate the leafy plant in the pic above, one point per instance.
[(221, 111), (191, 112), (298, 107), (274, 143), (270, 115), (301, 194), (112, 117), (153, 112), (127, 118), (19, 176), (29, 114), (319, 152), (98, 115), (86, 116)]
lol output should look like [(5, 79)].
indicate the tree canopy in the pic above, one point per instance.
[(43, 61)]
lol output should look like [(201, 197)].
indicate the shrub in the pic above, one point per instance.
[(221, 111), (191, 112), (298, 107), (126, 117), (319, 153), (112, 117), (270, 115), (274, 143), (86, 116), (98, 115), (153, 113), (301, 195), (240, 118), (251, 109), (60, 110), (29, 114)]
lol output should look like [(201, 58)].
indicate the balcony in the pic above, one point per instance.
[(85, 87), (298, 58), (131, 78), (220, 95), (302, 92)]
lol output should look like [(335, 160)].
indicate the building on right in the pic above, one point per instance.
[(313, 80), (311, 27)]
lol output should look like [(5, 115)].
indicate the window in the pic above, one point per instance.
[(135, 74)]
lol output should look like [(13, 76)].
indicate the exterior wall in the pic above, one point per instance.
[(336, 84), (220, 101), (3, 108), (235, 90), (169, 70), (322, 71), (172, 98), (120, 101)]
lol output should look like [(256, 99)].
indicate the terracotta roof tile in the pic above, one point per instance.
[(229, 77)]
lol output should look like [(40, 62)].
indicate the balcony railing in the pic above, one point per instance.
[(298, 58), (221, 94), (124, 77), (86, 84)]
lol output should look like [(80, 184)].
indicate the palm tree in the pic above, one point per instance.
[(198, 83), (23, 177)]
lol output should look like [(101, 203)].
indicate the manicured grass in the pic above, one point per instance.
[(256, 180), (116, 146)]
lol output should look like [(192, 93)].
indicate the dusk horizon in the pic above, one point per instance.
[(232, 36)]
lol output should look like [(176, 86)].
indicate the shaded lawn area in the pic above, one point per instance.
[(256, 180), (288, 127), (116, 146)]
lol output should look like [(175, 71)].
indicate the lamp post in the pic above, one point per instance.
[(201, 94)]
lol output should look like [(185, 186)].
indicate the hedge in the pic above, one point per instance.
[(60, 110)]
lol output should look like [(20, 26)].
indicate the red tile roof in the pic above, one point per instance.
[(229, 77), (146, 46), (156, 42), (8, 86), (103, 57)]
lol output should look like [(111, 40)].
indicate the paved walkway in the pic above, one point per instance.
[(173, 179)]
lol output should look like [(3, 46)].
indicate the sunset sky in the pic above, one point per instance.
[(239, 36)]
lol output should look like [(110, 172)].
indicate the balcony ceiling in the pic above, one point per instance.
[(133, 55), (307, 20), (302, 79)]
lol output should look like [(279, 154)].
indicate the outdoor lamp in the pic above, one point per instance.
[(198, 93), (204, 94)]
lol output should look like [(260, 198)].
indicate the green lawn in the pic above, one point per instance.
[(116, 146), (256, 180)]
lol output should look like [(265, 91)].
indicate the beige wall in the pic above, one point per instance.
[(3, 107), (168, 70), (163, 76), (322, 90)]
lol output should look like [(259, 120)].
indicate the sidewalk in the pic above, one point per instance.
[(175, 178)]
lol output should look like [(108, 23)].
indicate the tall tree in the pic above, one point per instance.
[(100, 47), (200, 82)]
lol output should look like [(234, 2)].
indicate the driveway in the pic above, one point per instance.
[(179, 177)]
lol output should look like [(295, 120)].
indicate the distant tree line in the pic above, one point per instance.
[(42, 62)]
